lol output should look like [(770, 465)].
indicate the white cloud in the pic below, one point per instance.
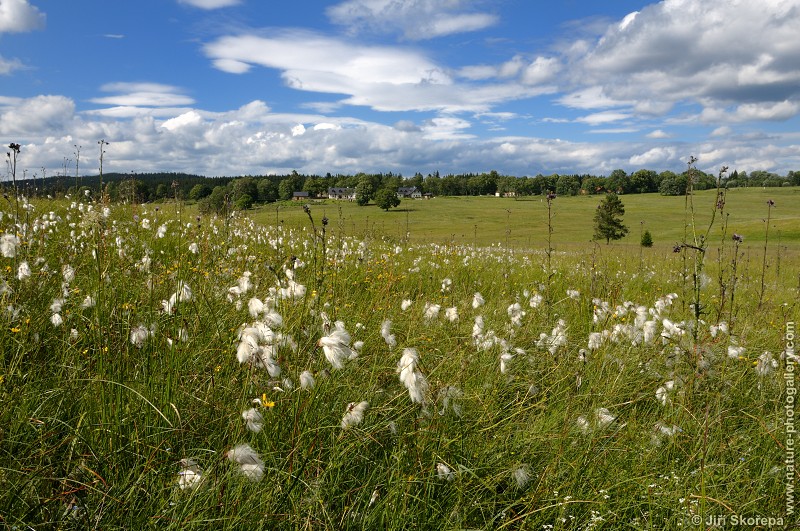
[(722, 131), (716, 51), (19, 16), (142, 95), (38, 115), (658, 157), (381, 77), (658, 133), (9, 65), (593, 97), (415, 19), (603, 117), (210, 4)]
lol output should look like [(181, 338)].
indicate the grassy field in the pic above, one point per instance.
[(522, 223), (166, 370)]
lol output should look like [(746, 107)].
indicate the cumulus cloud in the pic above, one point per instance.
[(713, 51), (415, 19), (210, 4), (38, 115), (20, 16)]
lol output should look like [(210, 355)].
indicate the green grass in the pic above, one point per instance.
[(523, 222), (93, 426)]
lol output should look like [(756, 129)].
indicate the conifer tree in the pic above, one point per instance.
[(608, 219)]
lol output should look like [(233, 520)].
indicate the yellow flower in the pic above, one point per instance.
[(267, 403), (15, 329)]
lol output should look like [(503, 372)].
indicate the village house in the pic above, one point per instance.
[(408, 192), (342, 194)]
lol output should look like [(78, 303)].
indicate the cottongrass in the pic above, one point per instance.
[(336, 346), (354, 414), (411, 377), (250, 464)]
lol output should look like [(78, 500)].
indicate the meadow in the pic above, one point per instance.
[(436, 367)]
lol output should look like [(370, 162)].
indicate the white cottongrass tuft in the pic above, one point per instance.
[(574, 294), (56, 319), (193, 248), (250, 464), (451, 314), (411, 377), (23, 271), (662, 393), (336, 346), (516, 313), (354, 414), (255, 307), (446, 284), (8, 245), (254, 419), (505, 358), (307, 380), (477, 300), (718, 328), (535, 301), (406, 304), (386, 333), (431, 311), (671, 330), (450, 397), (595, 341), (522, 476), (443, 472), (139, 335), (190, 476), (766, 364), (735, 351)]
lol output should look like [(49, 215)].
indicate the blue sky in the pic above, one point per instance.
[(230, 87)]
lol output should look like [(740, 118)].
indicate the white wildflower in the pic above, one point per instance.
[(68, 272), (250, 464), (190, 475), (354, 414), (386, 333), (735, 352), (254, 419), (8, 245), (431, 311), (139, 335), (505, 357), (446, 284), (193, 248), (411, 377), (23, 271), (574, 294), (662, 393), (766, 364), (451, 314), (604, 417), (595, 341), (307, 380), (522, 476), (336, 346), (516, 313), (443, 472)]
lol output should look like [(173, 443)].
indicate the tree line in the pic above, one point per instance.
[(216, 193)]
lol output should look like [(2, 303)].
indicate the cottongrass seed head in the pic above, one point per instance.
[(354, 414)]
